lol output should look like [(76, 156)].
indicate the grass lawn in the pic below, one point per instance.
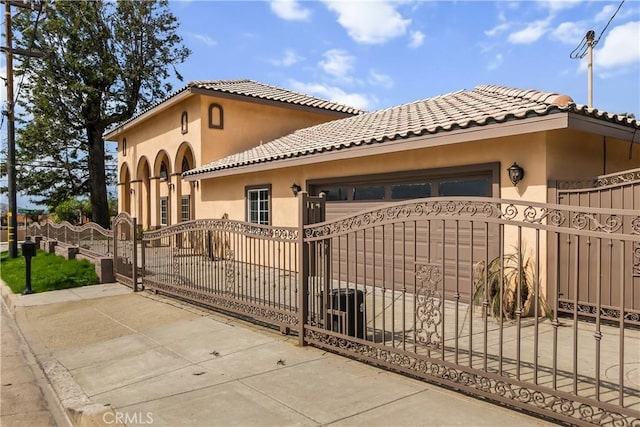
[(48, 272)]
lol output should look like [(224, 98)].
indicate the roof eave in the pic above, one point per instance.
[(606, 128), (270, 102), (177, 98), (558, 120)]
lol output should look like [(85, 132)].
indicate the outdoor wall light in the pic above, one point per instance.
[(516, 173), (295, 189), (132, 191), (170, 185)]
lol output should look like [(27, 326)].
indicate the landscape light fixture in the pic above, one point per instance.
[(516, 173), (295, 189)]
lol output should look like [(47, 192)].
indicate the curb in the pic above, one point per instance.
[(69, 405)]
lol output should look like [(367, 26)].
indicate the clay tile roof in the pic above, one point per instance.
[(251, 89), (481, 106)]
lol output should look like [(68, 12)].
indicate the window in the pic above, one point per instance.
[(185, 208), (474, 180), (164, 175), (185, 164), (184, 122), (164, 211), (258, 209), (215, 116), (124, 147)]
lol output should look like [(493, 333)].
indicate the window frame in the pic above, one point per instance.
[(184, 122), (251, 189), (488, 171), (164, 205), (212, 125), (186, 198)]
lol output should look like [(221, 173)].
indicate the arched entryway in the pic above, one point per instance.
[(164, 187), (185, 190), (141, 193), (124, 189)]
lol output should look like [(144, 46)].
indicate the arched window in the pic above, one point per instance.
[(185, 164), (164, 175), (184, 122), (124, 147), (216, 117)]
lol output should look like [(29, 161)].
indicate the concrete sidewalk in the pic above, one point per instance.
[(112, 355)]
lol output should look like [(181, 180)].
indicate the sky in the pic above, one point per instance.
[(377, 54)]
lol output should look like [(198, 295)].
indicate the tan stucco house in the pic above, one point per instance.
[(458, 144), (200, 123)]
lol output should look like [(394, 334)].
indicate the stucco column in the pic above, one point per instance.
[(155, 201), (136, 198), (175, 198)]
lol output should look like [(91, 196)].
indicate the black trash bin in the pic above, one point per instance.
[(347, 312)]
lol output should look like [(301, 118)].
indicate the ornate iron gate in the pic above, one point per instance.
[(125, 253), (508, 344), (243, 268), (581, 287)]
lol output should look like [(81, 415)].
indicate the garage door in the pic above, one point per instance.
[(387, 256)]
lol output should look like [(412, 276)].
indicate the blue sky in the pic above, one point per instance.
[(376, 54)]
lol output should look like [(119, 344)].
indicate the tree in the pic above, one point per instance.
[(72, 210), (104, 62)]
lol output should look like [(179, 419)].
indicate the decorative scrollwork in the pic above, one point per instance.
[(469, 379), (268, 314), (609, 224), (429, 313), (225, 225)]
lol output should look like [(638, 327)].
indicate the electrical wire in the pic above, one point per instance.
[(581, 50), (595, 42)]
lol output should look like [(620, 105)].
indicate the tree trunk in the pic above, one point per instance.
[(97, 177)]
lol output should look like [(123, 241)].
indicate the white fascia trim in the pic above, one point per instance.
[(476, 133)]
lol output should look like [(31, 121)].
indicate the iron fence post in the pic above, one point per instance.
[(303, 267), (134, 255)]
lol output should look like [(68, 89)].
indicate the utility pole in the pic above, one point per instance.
[(591, 35), (12, 218)]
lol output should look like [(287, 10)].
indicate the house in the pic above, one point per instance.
[(461, 143), (200, 123), (467, 143)]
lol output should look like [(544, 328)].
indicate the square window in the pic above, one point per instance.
[(258, 200)]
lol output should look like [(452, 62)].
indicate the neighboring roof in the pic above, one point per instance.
[(481, 106), (251, 91)]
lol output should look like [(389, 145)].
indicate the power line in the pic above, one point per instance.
[(583, 46)]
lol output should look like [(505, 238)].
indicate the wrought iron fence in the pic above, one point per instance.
[(463, 292), (90, 239), (244, 268)]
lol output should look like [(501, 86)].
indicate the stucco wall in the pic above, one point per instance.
[(226, 194)]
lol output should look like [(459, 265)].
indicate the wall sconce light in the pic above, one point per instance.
[(516, 173), (196, 183), (170, 185), (295, 189), (132, 191)]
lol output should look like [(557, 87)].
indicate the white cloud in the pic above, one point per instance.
[(204, 39), (291, 10), (620, 49), (500, 28), (496, 62), (605, 13), (530, 33), (379, 79), (372, 22), (338, 63), (289, 58), (569, 33), (556, 5), (335, 94), (417, 39)]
